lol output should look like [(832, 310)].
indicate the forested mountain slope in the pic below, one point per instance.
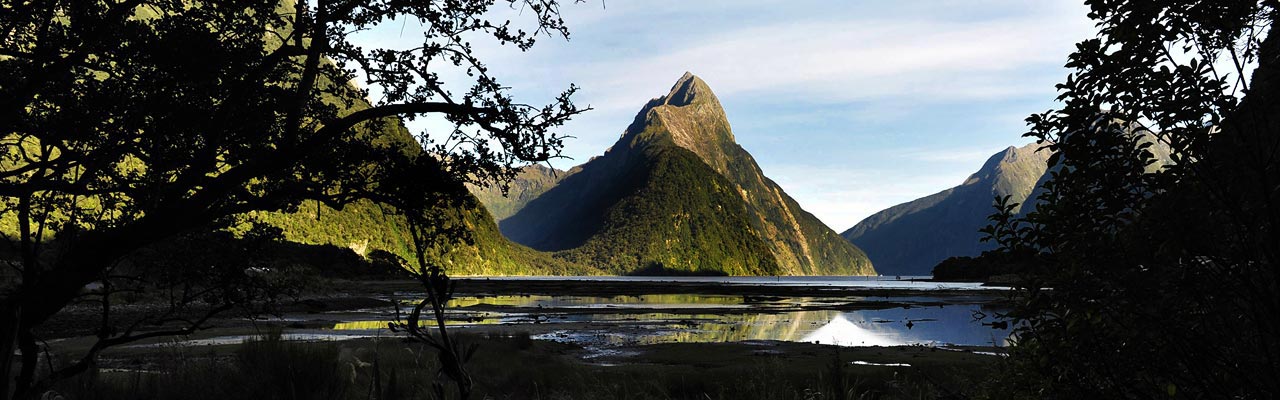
[(677, 194)]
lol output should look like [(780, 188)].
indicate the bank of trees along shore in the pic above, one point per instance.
[(1164, 283), (132, 124)]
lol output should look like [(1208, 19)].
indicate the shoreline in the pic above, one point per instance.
[(624, 286)]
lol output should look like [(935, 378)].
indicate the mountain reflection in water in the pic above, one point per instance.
[(650, 319), (841, 332)]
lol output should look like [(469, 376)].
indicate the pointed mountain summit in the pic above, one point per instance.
[(690, 116), (690, 89), (676, 194)]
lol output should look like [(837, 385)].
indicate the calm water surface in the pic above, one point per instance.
[(870, 282), (931, 313), (936, 314)]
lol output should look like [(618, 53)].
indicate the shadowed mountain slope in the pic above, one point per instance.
[(912, 237), (531, 182)]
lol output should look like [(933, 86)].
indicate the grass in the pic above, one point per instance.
[(516, 367)]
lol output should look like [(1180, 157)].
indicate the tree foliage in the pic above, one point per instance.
[(1155, 282), (129, 123)]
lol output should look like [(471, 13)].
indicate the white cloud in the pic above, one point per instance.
[(842, 61)]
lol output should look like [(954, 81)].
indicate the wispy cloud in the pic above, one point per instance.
[(851, 106), (850, 61), (926, 57)]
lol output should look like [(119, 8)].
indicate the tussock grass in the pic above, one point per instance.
[(506, 367)]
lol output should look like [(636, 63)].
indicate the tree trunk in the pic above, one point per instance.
[(30, 361), (8, 343)]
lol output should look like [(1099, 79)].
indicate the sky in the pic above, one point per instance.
[(850, 106)]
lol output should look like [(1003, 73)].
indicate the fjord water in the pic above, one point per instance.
[(868, 282), (864, 311)]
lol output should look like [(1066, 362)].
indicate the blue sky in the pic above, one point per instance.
[(851, 106)]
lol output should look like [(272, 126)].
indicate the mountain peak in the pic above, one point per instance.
[(1012, 169), (676, 193), (691, 117), (688, 90)]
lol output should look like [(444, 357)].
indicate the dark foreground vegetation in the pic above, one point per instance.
[(131, 126), (992, 268), (513, 366), (1146, 281)]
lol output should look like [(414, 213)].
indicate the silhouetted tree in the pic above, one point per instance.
[(1156, 281), (131, 123)]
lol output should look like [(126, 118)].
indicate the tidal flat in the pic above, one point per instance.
[(660, 337)]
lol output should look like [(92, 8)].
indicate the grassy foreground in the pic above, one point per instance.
[(517, 367)]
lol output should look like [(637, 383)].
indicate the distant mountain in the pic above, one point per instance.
[(676, 194), (912, 237), (529, 183)]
